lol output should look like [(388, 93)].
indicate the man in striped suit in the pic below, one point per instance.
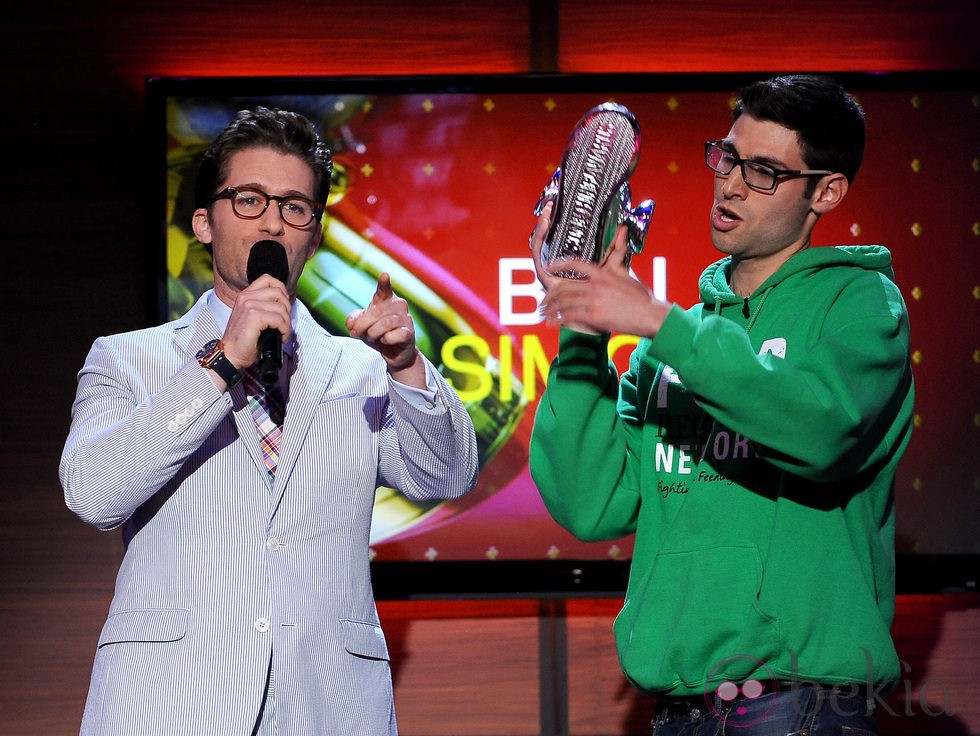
[(243, 604)]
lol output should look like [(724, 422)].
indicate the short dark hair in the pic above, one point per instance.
[(263, 127), (828, 121)]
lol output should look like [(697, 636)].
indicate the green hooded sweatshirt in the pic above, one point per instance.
[(752, 449)]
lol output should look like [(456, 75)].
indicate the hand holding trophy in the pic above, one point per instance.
[(591, 192)]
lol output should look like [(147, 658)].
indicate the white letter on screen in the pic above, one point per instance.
[(509, 291)]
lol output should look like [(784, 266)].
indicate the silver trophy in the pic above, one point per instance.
[(591, 192)]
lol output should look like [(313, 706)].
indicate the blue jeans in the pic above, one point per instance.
[(804, 710)]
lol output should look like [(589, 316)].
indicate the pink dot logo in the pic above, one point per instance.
[(734, 698)]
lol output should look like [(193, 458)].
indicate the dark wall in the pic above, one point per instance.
[(76, 237)]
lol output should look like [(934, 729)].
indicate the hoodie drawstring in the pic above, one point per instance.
[(758, 308)]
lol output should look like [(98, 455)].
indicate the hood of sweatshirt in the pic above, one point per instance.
[(717, 294)]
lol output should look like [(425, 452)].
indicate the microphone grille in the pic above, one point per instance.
[(267, 256)]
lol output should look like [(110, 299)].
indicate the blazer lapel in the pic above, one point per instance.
[(248, 433), (195, 327), (191, 332), (317, 356)]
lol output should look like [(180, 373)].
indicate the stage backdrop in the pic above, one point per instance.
[(435, 183)]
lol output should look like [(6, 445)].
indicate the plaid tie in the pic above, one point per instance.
[(268, 410)]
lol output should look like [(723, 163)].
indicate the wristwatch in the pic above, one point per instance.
[(212, 356)]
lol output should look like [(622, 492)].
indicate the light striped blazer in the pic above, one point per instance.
[(223, 567)]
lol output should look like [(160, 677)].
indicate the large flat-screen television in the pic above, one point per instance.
[(435, 182)]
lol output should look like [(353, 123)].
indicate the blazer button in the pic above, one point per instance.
[(262, 625)]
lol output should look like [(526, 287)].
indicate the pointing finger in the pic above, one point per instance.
[(384, 291)]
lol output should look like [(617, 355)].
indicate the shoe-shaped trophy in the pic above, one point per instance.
[(591, 192)]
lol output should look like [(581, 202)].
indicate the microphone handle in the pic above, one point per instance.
[(270, 356)]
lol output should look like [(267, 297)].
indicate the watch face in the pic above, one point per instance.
[(208, 347)]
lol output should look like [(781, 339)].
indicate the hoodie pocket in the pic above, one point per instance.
[(692, 610)]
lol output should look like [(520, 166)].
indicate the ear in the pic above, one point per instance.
[(829, 193), (201, 225), (315, 239)]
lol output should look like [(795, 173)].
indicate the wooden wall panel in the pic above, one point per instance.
[(468, 668), (937, 639), (464, 667), (715, 35), (71, 206)]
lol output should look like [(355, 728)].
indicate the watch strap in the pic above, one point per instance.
[(212, 356)]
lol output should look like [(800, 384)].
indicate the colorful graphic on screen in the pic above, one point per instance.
[(438, 190)]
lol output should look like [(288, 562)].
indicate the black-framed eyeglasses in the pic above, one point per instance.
[(756, 175), (251, 203)]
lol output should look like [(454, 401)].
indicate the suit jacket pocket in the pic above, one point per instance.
[(144, 625), (364, 639)]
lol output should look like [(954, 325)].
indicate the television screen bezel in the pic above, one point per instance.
[(408, 580)]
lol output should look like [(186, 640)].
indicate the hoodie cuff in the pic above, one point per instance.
[(581, 353)]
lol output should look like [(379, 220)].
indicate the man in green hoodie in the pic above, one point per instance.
[(752, 445)]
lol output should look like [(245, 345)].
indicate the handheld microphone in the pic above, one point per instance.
[(268, 257)]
